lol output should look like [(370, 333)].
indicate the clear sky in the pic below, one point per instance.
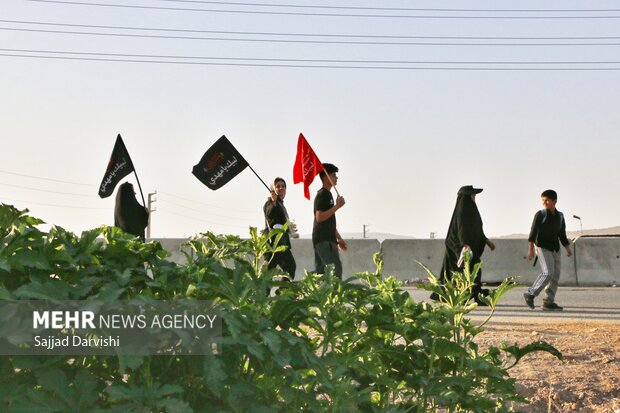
[(405, 137)]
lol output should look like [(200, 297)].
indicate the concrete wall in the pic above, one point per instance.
[(402, 257), (173, 245), (357, 258), (596, 260), (510, 259)]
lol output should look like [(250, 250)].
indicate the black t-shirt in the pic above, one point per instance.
[(326, 230)]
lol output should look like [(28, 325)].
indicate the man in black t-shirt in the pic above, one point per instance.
[(325, 236)]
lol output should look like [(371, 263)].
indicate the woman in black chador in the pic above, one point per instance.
[(465, 234), (275, 217), (129, 215)]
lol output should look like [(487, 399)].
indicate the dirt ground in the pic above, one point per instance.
[(586, 381)]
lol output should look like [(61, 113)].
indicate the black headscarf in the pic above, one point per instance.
[(129, 215), (465, 229)]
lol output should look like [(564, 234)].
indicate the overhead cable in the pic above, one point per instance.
[(53, 205), (254, 62), (45, 190), (44, 178), (308, 14), (349, 42), (294, 34)]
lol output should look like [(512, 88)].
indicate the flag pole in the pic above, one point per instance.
[(260, 179), (332, 184), (139, 186)]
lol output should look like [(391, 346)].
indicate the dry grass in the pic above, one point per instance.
[(586, 381)]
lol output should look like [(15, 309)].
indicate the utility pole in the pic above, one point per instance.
[(364, 230), (151, 199)]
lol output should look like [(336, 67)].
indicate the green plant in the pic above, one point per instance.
[(321, 345)]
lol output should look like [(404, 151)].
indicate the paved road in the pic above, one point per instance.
[(599, 304)]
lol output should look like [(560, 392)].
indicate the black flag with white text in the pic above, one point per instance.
[(221, 163), (120, 166)]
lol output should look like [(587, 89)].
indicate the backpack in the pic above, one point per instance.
[(543, 213)]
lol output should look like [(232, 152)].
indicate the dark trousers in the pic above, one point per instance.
[(286, 261), (325, 253)]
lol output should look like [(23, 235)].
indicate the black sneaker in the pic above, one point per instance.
[(529, 300), (552, 307)]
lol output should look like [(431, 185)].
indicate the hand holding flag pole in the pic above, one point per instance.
[(332, 184)]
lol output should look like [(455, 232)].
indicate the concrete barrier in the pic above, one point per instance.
[(357, 258), (402, 257), (510, 259), (598, 260), (173, 245)]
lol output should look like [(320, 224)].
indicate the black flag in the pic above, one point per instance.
[(220, 163), (120, 166)]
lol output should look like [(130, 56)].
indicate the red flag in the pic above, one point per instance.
[(307, 165)]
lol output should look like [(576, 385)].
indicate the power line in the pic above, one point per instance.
[(45, 179), (305, 6), (52, 205), (302, 66), (308, 14), (359, 42), (335, 35), (198, 219), (135, 57), (311, 60), (202, 203), (205, 212), (44, 190)]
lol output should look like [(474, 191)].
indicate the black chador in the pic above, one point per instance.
[(465, 229), (129, 215), (275, 217)]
